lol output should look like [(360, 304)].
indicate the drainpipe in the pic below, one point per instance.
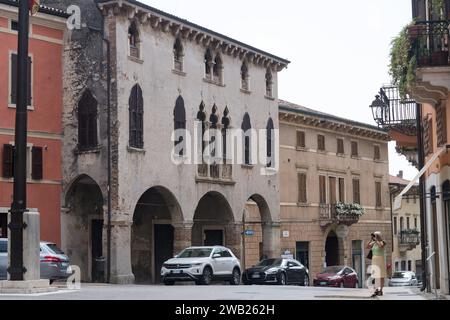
[(423, 219), (108, 133)]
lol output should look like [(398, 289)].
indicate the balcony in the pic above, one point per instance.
[(408, 240), (430, 47), (215, 173), (411, 154), (347, 214)]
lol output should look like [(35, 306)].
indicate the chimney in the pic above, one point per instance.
[(400, 174)]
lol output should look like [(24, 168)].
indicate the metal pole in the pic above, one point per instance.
[(19, 205), (108, 46), (423, 219)]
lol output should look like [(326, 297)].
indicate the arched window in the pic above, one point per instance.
[(136, 118), (208, 64), (87, 122), (270, 144), (226, 122), (218, 70), (245, 77), (179, 116), (178, 55), (269, 83), (134, 41), (246, 128)]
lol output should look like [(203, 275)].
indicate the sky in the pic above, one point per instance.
[(339, 49)]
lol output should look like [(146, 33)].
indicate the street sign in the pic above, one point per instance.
[(249, 233)]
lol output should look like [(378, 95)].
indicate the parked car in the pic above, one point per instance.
[(54, 263), (202, 265), (337, 276), (277, 271), (403, 279)]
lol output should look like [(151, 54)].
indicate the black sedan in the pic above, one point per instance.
[(277, 271)]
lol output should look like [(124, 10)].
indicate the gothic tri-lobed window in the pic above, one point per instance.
[(178, 55), (269, 83), (134, 41), (87, 122), (245, 85), (136, 108), (179, 115), (246, 128), (226, 122)]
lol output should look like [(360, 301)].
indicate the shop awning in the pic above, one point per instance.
[(398, 200)]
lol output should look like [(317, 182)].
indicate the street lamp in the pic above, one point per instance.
[(378, 109)]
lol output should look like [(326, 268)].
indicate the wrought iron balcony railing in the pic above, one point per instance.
[(331, 213), (430, 42), (391, 111)]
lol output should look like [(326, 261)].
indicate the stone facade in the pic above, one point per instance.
[(309, 230), (159, 207)]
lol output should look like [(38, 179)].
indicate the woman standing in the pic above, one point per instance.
[(379, 272)]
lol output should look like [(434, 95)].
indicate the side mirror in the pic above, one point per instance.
[(216, 256)]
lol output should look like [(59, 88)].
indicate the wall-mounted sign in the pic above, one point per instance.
[(249, 233), (286, 234)]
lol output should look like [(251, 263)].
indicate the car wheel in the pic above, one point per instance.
[(169, 282), (207, 276), (236, 277), (282, 279), (306, 281)]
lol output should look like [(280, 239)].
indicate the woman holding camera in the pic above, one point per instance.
[(379, 272)]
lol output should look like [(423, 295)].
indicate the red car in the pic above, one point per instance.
[(338, 276)]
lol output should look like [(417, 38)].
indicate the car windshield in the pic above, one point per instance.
[(270, 263), (196, 253), (54, 248), (401, 275), (332, 270)]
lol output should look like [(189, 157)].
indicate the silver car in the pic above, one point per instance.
[(54, 263), (403, 279)]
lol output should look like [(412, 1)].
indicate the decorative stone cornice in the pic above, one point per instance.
[(189, 31)]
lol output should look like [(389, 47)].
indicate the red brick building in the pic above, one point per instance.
[(44, 117)]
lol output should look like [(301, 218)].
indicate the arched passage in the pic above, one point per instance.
[(83, 222), (258, 240), (213, 222), (152, 233)]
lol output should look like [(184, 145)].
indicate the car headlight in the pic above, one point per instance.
[(196, 264), (272, 271)]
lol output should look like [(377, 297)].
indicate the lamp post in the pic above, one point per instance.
[(19, 205), (378, 109)]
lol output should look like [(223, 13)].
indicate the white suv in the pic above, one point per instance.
[(202, 265)]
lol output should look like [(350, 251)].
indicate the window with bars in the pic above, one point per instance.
[(340, 146), (301, 139), (322, 189), (13, 73), (321, 142), (355, 151), (87, 122), (356, 191), (302, 196), (136, 108), (441, 124), (246, 128), (179, 116)]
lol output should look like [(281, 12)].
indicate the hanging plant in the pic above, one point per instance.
[(403, 66)]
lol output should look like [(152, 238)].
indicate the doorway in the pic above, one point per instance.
[(332, 250), (437, 267), (164, 246), (213, 238), (302, 253), (3, 225), (357, 260), (98, 269)]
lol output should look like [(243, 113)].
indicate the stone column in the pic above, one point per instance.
[(272, 239), (182, 236), (233, 238), (121, 271)]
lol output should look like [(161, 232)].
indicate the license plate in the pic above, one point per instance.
[(65, 264), (323, 283), (256, 276)]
